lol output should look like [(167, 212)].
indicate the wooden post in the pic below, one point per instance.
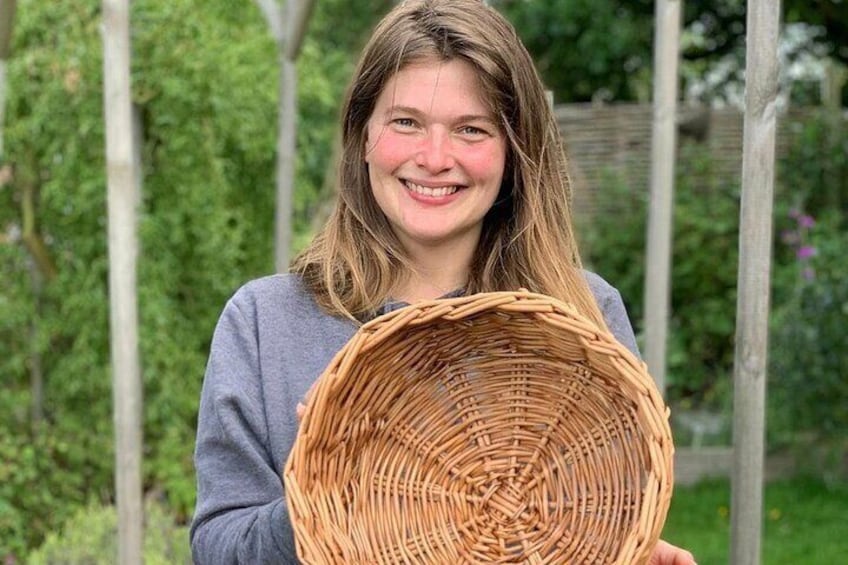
[(288, 26), (299, 12), (123, 250), (286, 157), (663, 155), (755, 245)]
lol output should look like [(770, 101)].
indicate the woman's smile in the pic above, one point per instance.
[(437, 193)]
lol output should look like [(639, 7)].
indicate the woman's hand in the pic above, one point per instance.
[(667, 554), (301, 406)]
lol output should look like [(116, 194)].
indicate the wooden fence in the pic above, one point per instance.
[(614, 140)]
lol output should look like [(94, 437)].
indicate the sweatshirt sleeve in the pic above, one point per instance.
[(241, 514), (613, 309), (618, 322)]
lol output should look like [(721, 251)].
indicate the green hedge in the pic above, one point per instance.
[(90, 537)]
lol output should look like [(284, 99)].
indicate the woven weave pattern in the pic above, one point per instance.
[(494, 428)]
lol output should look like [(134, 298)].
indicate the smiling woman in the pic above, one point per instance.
[(452, 182)]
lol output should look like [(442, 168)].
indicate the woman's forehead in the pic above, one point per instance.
[(431, 85)]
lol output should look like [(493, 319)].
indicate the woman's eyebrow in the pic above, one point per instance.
[(398, 109), (476, 118)]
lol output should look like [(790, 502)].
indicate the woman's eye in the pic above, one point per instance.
[(403, 122), (472, 131)]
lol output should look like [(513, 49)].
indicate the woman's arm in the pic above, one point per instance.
[(241, 514)]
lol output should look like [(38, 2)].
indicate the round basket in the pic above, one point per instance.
[(499, 427)]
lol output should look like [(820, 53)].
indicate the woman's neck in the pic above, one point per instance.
[(436, 272), (420, 286)]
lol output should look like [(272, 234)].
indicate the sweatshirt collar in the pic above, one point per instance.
[(392, 305)]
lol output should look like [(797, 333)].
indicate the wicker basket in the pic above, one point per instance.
[(499, 427)]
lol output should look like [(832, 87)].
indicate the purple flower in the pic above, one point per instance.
[(806, 221), (805, 252)]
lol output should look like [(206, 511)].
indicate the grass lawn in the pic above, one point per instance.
[(805, 522)]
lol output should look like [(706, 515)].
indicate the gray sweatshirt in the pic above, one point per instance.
[(271, 343)]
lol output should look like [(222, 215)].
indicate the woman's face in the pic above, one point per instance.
[(435, 155)]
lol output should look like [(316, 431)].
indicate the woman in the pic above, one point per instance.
[(452, 181)]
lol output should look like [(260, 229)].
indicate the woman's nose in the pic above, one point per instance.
[(436, 152)]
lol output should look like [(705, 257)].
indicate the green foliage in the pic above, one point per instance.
[(809, 365), (54, 144), (809, 357), (703, 301), (41, 478), (815, 170), (577, 56), (809, 353), (89, 537), (705, 264), (830, 15), (604, 49)]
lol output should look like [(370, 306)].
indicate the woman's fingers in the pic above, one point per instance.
[(300, 409)]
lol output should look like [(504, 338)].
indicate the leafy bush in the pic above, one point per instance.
[(40, 481), (809, 364), (809, 352), (703, 286), (89, 537)]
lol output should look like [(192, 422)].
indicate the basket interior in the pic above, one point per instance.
[(496, 437)]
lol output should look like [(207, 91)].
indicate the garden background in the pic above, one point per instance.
[(205, 85)]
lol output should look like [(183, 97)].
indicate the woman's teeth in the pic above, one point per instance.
[(432, 192)]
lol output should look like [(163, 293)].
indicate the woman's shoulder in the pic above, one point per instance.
[(613, 310), (287, 286), (278, 296), (282, 289), (602, 290), (284, 298)]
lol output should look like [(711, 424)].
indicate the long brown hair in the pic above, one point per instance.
[(527, 240)]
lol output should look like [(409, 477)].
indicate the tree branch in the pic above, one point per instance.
[(30, 236), (7, 18)]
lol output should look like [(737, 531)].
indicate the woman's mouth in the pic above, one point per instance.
[(430, 192)]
